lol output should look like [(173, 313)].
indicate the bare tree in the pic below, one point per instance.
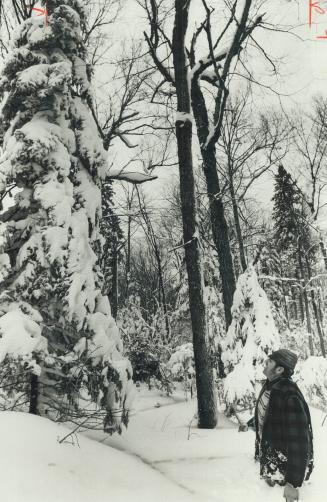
[(207, 409), (216, 70), (155, 246)]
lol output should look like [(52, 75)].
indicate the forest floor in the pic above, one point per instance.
[(162, 457)]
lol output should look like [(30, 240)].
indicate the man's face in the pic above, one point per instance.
[(271, 369)]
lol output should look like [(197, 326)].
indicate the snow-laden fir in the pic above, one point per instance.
[(55, 323), (251, 336)]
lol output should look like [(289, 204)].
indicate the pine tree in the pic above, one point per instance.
[(270, 270), (286, 217), (56, 325)]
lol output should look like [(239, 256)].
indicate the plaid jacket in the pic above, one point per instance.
[(285, 450)]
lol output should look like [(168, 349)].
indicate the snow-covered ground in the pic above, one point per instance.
[(161, 457)]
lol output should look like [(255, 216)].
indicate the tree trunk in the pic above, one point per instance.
[(34, 395), (114, 288), (321, 316), (301, 301), (323, 251), (207, 408), (316, 313), (220, 231), (162, 288), (217, 212), (236, 219), (319, 328), (284, 300), (294, 303), (306, 301), (128, 256)]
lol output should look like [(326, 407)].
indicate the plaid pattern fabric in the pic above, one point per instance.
[(285, 449)]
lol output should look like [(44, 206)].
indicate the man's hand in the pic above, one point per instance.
[(290, 493)]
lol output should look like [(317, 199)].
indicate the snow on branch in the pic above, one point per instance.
[(131, 176)]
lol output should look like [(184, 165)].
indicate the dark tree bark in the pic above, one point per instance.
[(287, 317), (114, 286), (128, 254), (306, 301), (323, 251), (207, 409), (208, 141), (301, 301), (217, 212), (162, 287), (34, 395), (316, 312), (237, 219)]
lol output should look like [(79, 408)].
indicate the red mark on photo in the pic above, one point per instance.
[(316, 8), (41, 12)]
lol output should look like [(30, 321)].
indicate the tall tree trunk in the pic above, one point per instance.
[(318, 324), (301, 301), (163, 292), (128, 256), (217, 211), (294, 303), (306, 301), (323, 250), (321, 315), (114, 287), (236, 218), (315, 311), (207, 408), (287, 317), (34, 395)]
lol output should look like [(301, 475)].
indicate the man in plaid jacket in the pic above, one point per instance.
[(283, 427)]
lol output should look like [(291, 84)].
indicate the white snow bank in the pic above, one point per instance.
[(180, 463), (35, 467), (215, 465)]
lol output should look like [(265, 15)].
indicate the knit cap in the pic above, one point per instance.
[(284, 358)]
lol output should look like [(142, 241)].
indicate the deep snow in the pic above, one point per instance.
[(163, 457)]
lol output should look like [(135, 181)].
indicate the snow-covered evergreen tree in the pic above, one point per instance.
[(286, 217), (250, 337), (55, 323)]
